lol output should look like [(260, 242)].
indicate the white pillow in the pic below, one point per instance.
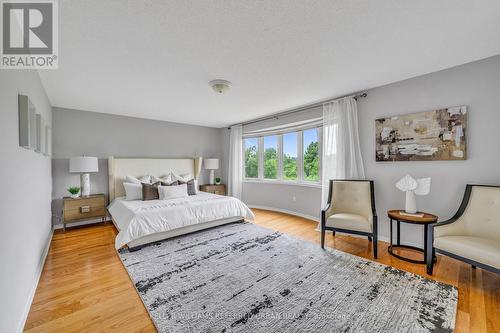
[(184, 177), (133, 191), (168, 179), (154, 179), (172, 192), (133, 180)]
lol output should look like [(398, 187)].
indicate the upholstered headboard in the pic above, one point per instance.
[(119, 168)]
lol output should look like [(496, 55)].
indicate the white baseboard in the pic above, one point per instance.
[(41, 264), (316, 219), (286, 211), (75, 224)]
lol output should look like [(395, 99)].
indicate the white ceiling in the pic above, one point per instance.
[(153, 59)]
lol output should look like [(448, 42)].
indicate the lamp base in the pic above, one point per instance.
[(212, 177), (85, 184), (411, 203)]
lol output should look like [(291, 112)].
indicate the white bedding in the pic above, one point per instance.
[(139, 218)]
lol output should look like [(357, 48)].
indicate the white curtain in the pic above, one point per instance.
[(235, 161), (341, 157)]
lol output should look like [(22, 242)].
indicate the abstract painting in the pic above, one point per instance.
[(423, 136)]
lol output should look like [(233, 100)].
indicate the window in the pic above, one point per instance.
[(290, 157), (251, 158), (271, 157), (311, 155)]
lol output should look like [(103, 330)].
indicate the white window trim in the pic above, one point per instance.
[(281, 182), (300, 160)]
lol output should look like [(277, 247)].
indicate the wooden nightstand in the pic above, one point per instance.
[(215, 189), (84, 208)]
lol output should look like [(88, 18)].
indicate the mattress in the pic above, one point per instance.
[(136, 219)]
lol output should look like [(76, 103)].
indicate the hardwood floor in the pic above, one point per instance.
[(84, 287)]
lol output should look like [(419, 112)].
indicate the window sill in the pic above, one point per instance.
[(281, 182)]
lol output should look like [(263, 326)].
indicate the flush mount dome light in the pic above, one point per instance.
[(220, 86)]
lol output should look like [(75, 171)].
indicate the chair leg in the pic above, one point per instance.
[(369, 238), (431, 254), (473, 266), (375, 247), (323, 238), (333, 233)]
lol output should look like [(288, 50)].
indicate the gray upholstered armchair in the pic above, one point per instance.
[(350, 209), (473, 234)]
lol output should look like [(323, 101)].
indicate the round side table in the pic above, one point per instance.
[(400, 216)]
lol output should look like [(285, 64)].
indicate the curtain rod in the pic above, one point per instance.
[(302, 108)]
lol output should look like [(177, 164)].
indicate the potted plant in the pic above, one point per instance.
[(217, 180), (74, 191)]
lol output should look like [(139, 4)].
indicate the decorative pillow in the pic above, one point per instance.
[(172, 192), (133, 180), (154, 179), (176, 182), (133, 191), (184, 177), (150, 191), (192, 187), (168, 179)]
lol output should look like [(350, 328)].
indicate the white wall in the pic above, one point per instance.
[(96, 134), (25, 226), (476, 85)]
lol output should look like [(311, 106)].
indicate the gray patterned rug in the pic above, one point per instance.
[(244, 278)]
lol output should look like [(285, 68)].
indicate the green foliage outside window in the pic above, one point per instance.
[(251, 162), (289, 167), (311, 162), (270, 163)]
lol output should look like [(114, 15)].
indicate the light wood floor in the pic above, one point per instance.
[(84, 287)]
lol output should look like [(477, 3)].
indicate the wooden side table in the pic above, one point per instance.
[(399, 216), (219, 189), (83, 208)]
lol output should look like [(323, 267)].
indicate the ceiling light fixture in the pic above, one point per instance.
[(220, 86)]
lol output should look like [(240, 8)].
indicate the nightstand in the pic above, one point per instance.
[(83, 208), (215, 189)]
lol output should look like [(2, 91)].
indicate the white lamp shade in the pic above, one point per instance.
[(211, 163), (83, 164)]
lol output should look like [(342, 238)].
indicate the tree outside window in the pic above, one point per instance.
[(311, 155), (271, 157), (290, 156), (251, 158)]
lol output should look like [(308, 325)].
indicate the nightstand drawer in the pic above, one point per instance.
[(215, 189), (83, 212), (75, 204), (219, 192), (84, 208)]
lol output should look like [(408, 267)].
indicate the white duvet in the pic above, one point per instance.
[(139, 218)]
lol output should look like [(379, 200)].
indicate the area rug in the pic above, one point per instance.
[(244, 278)]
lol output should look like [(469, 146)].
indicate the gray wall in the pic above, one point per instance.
[(25, 225), (475, 85), (300, 200), (102, 135)]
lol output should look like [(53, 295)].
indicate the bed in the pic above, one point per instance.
[(142, 222)]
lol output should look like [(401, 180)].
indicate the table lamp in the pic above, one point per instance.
[(211, 164), (83, 165)]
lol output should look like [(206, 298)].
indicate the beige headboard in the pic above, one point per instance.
[(119, 168)]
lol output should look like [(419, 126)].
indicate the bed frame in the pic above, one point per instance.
[(120, 167)]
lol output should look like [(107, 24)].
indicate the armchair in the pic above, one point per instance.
[(351, 209), (472, 235)]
